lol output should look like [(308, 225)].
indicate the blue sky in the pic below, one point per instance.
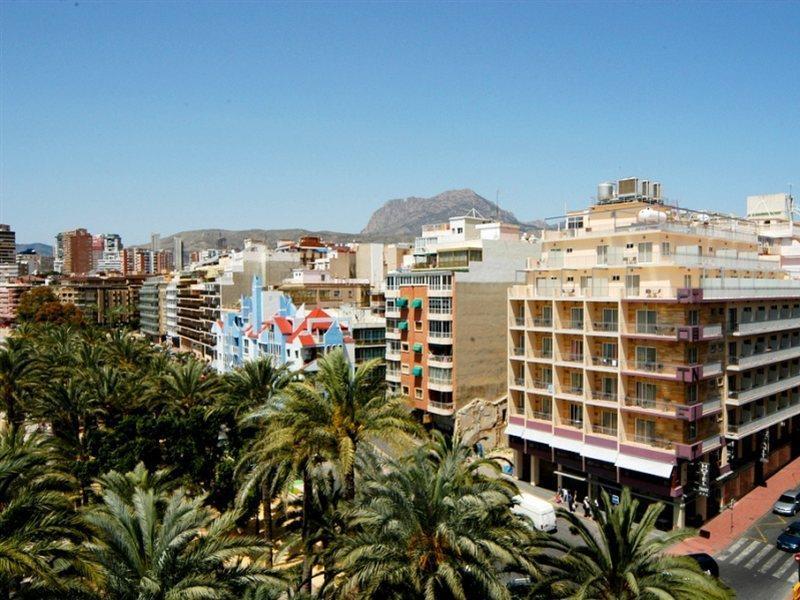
[(167, 116)]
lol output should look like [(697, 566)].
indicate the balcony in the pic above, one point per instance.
[(440, 384), (518, 382), (666, 330), (572, 325), (573, 357), (440, 314), (765, 357), (542, 386), (440, 360), (571, 390), (441, 408), (768, 325), (605, 361), (440, 290), (393, 376), (393, 334), (517, 322), (393, 354), (603, 430), (603, 396), (543, 323), (576, 423), (440, 337), (654, 441), (542, 415), (517, 351), (760, 390), (605, 327), (769, 418)]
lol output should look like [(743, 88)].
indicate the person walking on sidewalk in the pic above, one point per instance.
[(587, 506), (567, 499)]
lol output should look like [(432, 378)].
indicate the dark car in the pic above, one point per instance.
[(789, 540), (706, 562)]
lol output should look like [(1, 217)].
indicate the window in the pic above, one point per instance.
[(574, 222), (404, 346), (693, 317), (691, 355), (646, 393), (692, 433), (615, 278), (404, 369), (645, 431), (609, 388), (691, 394), (632, 284), (645, 252), (646, 321), (418, 393), (629, 246), (405, 390), (646, 358), (602, 255), (576, 414), (665, 249), (610, 318), (609, 354), (576, 317), (576, 382), (547, 347), (608, 420), (569, 250), (417, 325)]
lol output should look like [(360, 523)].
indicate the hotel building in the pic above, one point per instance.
[(653, 347)]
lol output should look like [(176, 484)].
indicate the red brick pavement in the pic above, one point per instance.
[(746, 511)]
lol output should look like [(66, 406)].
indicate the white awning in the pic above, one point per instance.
[(515, 430), (644, 465), (600, 453), (542, 437), (569, 444)]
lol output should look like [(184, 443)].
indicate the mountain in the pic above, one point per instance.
[(398, 220), (43, 249), (405, 217)]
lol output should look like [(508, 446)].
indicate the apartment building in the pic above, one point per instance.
[(653, 347), (198, 308), (444, 311), (171, 311), (10, 293), (317, 287), (30, 262), (152, 308), (8, 253), (107, 253), (73, 252), (103, 300)]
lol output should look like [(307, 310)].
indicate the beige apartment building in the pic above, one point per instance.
[(444, 311), (654, 347)]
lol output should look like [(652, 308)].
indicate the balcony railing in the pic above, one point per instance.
[(604, 430), (651, 403), (605, 361), (577, 423), (765, 356), (605, 396), (542, 415), (774, 413), (519, 381), (519, 321), (518, 351), (606, 326), (573, 324), (540, 322), (575, 357), (441, 405), (542, 384), (652, 440), (440, 380), (656, 328), (784, 320), (572, 389), (765, 387), (546, 353), (441, 358)]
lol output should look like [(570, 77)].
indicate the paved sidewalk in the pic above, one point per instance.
[(725, 528)]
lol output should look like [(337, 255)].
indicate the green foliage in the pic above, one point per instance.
[(40, 305)]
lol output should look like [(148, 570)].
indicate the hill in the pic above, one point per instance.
[(43, 249)]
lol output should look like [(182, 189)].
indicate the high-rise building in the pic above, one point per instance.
[(177, 253), (107, 249), (155, 242), (8, 253), (73, 252), (653, 347), (152, 308), (443, 312)]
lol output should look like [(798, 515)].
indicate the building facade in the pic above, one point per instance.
[(73, 252), (444, 311), (8, 253), (653, 347), (152, 308), (10, 293)]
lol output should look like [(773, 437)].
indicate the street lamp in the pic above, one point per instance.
[(730, 507)]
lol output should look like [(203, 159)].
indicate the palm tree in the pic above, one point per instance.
[(625, 560), (189, 385), (159, 546), (438, 525), (324, 420), (18, 376), (253, 384), (39, 530)]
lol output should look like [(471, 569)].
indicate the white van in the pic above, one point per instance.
[(539, 511)]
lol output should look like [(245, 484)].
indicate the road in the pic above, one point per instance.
[(754, 567)]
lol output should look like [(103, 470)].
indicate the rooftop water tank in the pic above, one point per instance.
[(605, 191), (651, 215)]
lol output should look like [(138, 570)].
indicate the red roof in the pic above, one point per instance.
[(283, 324)]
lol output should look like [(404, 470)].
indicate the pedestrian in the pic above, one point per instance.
[(587, 506), (574, 500), (567, 500), (596, 508)]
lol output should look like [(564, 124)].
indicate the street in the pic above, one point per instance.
[(754, 567)]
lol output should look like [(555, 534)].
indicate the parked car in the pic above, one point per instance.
[(788, 503), (789, 539), (706, 562)]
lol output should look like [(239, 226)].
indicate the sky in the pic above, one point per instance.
[(168, 116)]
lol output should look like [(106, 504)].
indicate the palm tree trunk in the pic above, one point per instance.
[(305, 583), (266, 502)]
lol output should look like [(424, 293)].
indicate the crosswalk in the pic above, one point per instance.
[(761, 557)]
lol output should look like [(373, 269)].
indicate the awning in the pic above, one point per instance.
[(566, 444), (417, 347), (417, 371), (416, 303), (643, 465), (515, 430), (534, 435), (599, 453)]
